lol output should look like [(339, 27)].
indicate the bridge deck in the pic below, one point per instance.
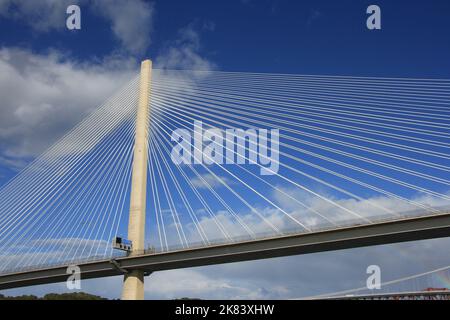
[(413, 295), (401, 230)]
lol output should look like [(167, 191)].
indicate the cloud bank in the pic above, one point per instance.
[(133, 34), (45, 95)]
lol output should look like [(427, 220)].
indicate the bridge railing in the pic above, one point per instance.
[(238, 239), (321, 227)]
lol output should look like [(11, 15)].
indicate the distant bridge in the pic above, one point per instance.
[(414, 295)]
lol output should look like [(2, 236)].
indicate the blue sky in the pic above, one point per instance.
[(298, 37), (317, 37)]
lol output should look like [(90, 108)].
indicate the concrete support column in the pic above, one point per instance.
[(133, 286)]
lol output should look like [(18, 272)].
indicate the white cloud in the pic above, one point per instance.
[(209, 180), (131, 21), (45, 95), (41, 16), (33, 253), (372, 208), (185, 52), (368, 208), (193, 284)]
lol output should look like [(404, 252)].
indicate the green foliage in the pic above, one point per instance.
[(56, 296)]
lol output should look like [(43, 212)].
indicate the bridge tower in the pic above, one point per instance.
[(133, 286)]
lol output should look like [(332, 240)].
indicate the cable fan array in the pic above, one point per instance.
[(348, 151), (351, 151), (68, 203)]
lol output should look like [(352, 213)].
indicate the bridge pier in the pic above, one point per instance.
[(133, 286)]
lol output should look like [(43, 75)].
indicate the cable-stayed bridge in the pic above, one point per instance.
[(206, 167)]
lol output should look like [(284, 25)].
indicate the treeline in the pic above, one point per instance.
[(56, 296)]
